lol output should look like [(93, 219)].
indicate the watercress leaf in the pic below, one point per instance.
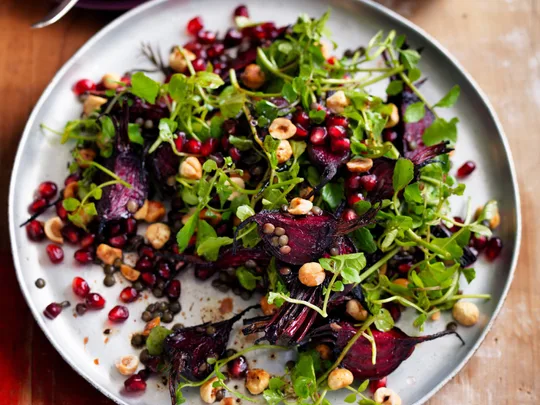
[(265, 108), (414, 74), (313, 176), (178, 87), (317, 116), (480, 229), (413, 194), (420, 320), (449, 245), (441, 130), (350, 275), (415, 112), (204, 231), (350, 399), (71, 204), (450, 98), (383, 322), (144, 87), (246, 278), (90, 209), (327, 264), (363, 239), (209, 247), (184, 235), (208, 80), (413, 276), (410, 58), (298, 148), (469, 273), (389, 239), (106, 136), (154, 342), (209, 166), (403, 174), (338, 286), (365, 384), (367, 401), (333, 194), (361, 207), (489, 211), (288, 92), (241, 142), (244, 212), (134, 133), (216, 126), (394, 87), (189, 196), (400, 40), (231, 102)]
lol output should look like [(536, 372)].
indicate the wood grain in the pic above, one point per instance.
[(498, 42)]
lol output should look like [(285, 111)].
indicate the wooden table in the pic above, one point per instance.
[(498, 42)]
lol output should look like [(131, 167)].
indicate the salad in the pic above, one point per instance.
[(260, 163)]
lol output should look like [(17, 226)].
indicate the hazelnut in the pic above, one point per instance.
[(85, 155), (403, 282), (191, 168), (465, 313), (129, 272), (239, 181), (311, 274), (127, 365), (436, 316), (208, 391), (356, 310), (253, 76), (141, 213), (52, 228), (257, 381), (305, 191), (158, 234), (177, 62), (339, 378), (156, 211), (359, 165), (92, 103), (227, 401), (71, 190), (151, 325), (282, 128), (495, 220), (299, 206), (268, 309), (110, 81), (211, 216), (324, 351), (108, 254), (385, 396), (337, 102), (393, 118), (284, 151)]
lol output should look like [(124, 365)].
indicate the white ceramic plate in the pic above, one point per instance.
[(116, 49)]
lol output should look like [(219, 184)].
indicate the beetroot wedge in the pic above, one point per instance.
[(163, 164), (327, 161)]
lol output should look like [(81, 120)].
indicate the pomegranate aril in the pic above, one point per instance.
[(199, 65), (241, 11), (179, 143), (95, 301), (318, 136), (353, 182), (80, 287), (337, 120), (206, 37), (238, 367), (349, 215), (38, 206), (88, 240), (478, 242), (404, 267), (301, 117), (390, 135), (146, 251), (354, 198), (84, 256), (194, 46), (52, 310), (209, 146), (149, 279), (71, 233), (193, 146), (376, 384), (55, 253), (300, 131), (72, 178), (336, 131), (173, 290), (194, 26), (164, 271), (118, 241), (229, 127), (118, 314), (135, 383), (61, 211), (144, 264), (466, 169), (233, 37), (493, 248), (368, 181), (115, 229), (82, 86), (340, 145), (215, 50), (456, 228), (235, 154), (131, 226), (47, 190), (35, 231), (129, 294)]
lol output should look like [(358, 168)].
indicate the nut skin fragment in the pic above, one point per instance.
[(465, 313), (311, 274), (141, 213), (393, 118), (156, 211), (257, 381), (282, 128), (359, 165), (284, 151), (92, 103), (356, 310), (267, 309), (340, 378), (177, 62), (191, 168), (158, 235), (385, 396), (253, 76), (208, 392), (107, 254), (151, 325), (299, 206), (227, 401), (84, 156), (52, 229), (337, 102), (129, 273), (127, 365)]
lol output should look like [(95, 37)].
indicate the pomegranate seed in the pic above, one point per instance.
[(115, 229), (390, 135), (193, 146), (233, 37), (149, 279), (300, 131), (84, 256), (241, 11), (466, 169), (349, 215), (80, 287), (143, 264), (52, 310), (179, 143), (354, 198), (164, 271), (55, 252), (493, 248), (173, 290), (118, 241), (129, 294), (215, 50), (235, 154), (88, 240), (206, 37), (238, 367), (194, 25), (72, 178), (71, 233), (340, 145), (478, 242), (126, 80), (337, 120), (229, 126), (199, 65), (35, 231), (318, 136), (456, 228), (95, 301), (118, 314), (353, 182), (38, 206), (376, 384), (146, 251), (47, 190), (135, 383), (82, 86), (404, 267), (209, 146), (368, 181), (61, 211), (131, 226), (194, 47), (320, 107), (301, 117)]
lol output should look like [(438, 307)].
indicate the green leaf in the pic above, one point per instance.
[(480, 229), (384, 321), (210, 246), (216, 126), (403, 174), (208, 80), (441, 130), (90, 209), (298, 148), (289, 93), (364, 385), (154, 342), (134, 133), (415, 112), (450, 245), (350, 275), (364, 240), (106, 136), (410, 58), (450, 98), (317, 116), (488, 211), (394, 87), (71, 204), (413, 194), (414, 74), (144, 87), (231, 102), (350, 399), (469, 273), (333, 194), (204, 231), (244, 212), (178, 87), (241, 142), (246, 278), (184, 235)]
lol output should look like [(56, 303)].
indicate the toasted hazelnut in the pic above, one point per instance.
[(311, 274), (151, 325), (359, 165), (177, 62), (284, 151), (71, 190), (110, 81), (52, 228), (465, 313), (211, 216), (92, 103), (356, 310), (227, 401), (141, 213), (324, 351), (257, 381), (299, 206), (85, 155), (239, 181), (402, 282), (339, 378), (253, 76), (108, 254), (268, 309), (127, 365), (337, 102), (191, 168), (393, 118), (495, 220), (158, 234), (305, 191), (282, 128), (129, 272), (436, 316), (156, 211), (385, 396), (208, 391)]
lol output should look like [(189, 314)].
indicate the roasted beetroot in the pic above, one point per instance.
[(327, 160), (162, 164)]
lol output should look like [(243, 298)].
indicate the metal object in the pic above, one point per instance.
[(56, 14), (353, 22)]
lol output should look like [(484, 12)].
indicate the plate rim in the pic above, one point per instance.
[(392, 15)]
